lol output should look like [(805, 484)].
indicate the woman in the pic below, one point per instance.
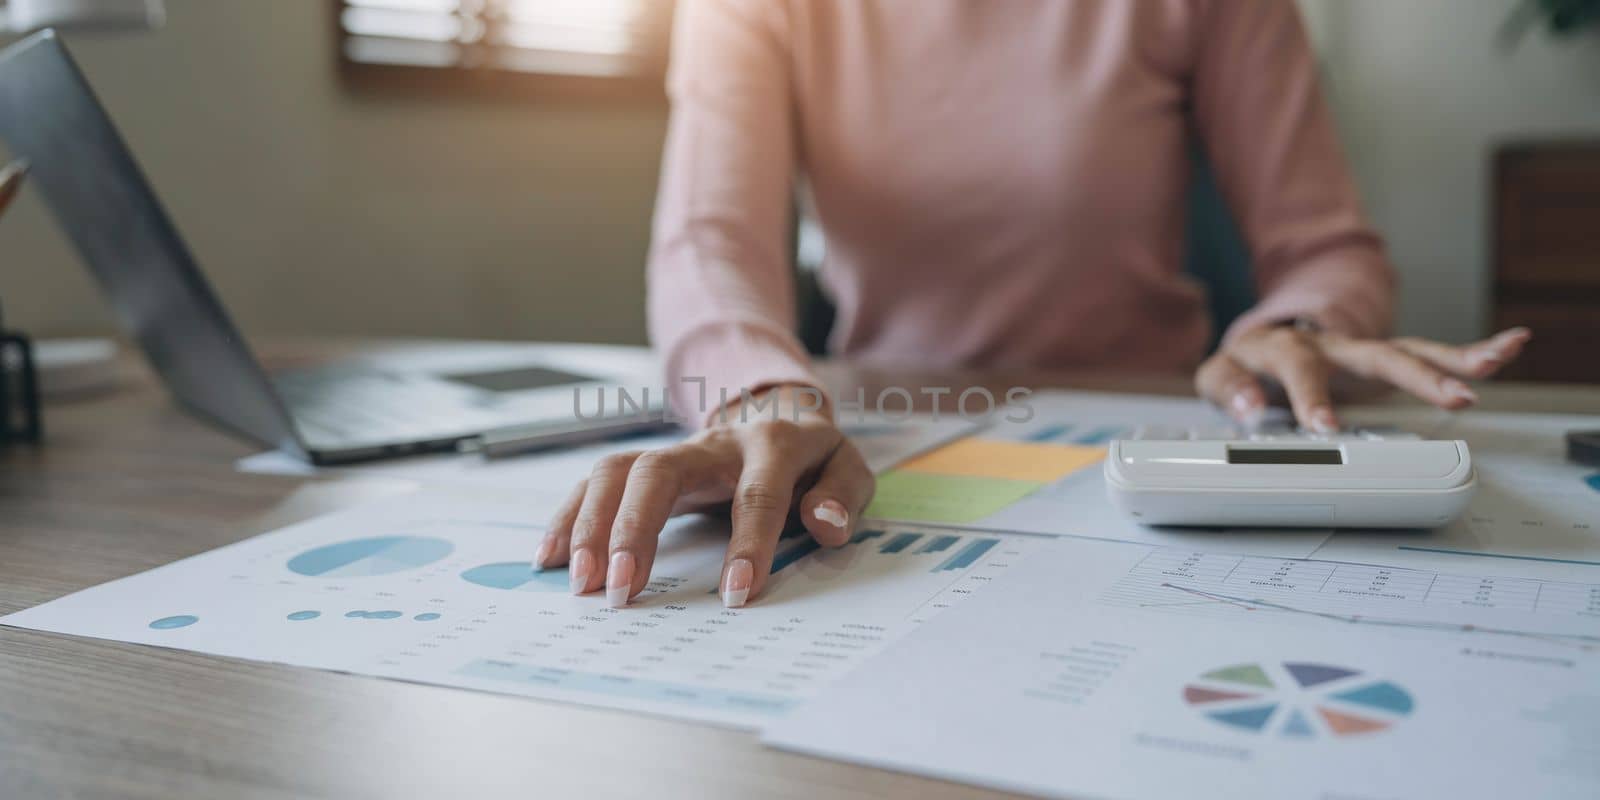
[(1001, 183)]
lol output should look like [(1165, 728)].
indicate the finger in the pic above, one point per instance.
[(1228, 385), (1476, 360), (1394, 365), (835, 502), (760, 511), (553, 548), (655, 482), (1303, 372), (591, 530)]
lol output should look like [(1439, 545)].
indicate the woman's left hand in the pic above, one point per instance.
[(1306, 364)]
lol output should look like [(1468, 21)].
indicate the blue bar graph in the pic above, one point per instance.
[(939, 544), (967, 556), (600, 684), (862, 536), (1049, 434), (805, 547), (1100, 435), (900, 542)]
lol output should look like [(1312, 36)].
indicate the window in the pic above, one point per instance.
[(589, 45)]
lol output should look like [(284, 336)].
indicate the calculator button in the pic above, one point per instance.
[(1272, 437), (1276, 427), (1166, 433)]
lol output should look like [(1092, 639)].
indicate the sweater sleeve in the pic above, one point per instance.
[(1271, 140), (720, 281)]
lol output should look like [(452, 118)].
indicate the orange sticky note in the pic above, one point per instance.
[(1041, 462)]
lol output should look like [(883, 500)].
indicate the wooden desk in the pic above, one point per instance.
[(127, 482)]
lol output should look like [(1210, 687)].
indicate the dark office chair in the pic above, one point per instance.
[(1215, 254)]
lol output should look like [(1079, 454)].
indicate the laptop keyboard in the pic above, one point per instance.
[(377, 406)]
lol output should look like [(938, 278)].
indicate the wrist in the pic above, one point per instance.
[(789, 401)]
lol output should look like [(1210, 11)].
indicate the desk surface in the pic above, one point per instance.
[(128, 482)]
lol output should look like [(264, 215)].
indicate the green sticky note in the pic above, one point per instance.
[(955, 499)]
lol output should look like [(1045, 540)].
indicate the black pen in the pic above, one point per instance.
[(521, 439)]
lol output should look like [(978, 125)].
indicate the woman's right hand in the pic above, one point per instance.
[(758, 467)]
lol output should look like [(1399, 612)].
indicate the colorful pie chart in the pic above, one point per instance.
[(1298, 699)]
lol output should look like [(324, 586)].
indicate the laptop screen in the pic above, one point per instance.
[(89, 179)]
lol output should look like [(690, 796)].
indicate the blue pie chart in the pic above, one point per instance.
[(517, 576), (379, 555)]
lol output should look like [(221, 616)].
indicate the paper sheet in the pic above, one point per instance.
[(1535, 514), (437, 589), (1118, 670), (551, 474)]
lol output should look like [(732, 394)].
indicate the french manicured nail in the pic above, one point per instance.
[(578, 572), (1460, 391), (619, 579), (833, 513), (1505, 340), (736, 583), (546, 549), (1246, 408), (1323, 421)]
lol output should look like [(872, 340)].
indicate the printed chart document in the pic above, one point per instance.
[(438, 589), (1044, 476), (1102, 669), (1535, 513)]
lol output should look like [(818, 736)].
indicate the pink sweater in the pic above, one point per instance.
[(1000, 182)]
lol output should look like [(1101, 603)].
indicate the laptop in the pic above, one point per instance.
[(411, 400)]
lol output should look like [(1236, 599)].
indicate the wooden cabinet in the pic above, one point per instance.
[(1546, 252)]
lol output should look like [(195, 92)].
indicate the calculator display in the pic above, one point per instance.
[(1280, 455)]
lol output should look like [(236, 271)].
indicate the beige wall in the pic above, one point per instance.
[(315, 211), (1423, 94)]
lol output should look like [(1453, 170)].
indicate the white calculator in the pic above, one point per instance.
[(1359, 478)]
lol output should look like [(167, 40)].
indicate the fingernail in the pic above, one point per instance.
[(619, 579), (1246, 408), (578, 571), (546, 548), (1459, 391), (736, 583), (832, 512), (1505, 340), (1323, 421)]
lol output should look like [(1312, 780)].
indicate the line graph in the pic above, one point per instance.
[(1549, 613), (1584, 641)]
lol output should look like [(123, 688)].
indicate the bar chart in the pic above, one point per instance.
[(1078, 434), (949, 553)]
